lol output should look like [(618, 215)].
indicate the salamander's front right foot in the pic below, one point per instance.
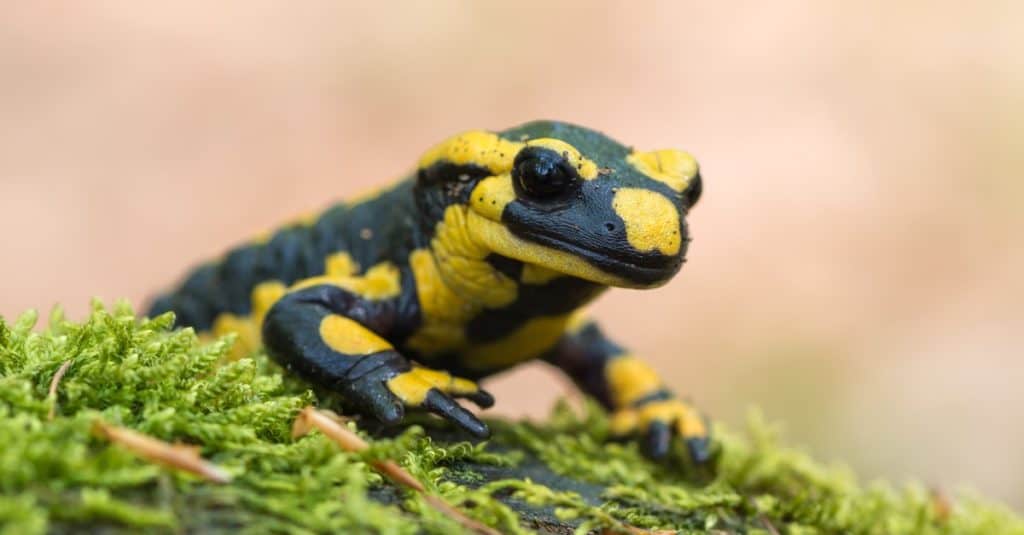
[(384, 384)]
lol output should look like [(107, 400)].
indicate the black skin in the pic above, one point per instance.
[(389, 227)]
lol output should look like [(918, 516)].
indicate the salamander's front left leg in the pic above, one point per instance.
[(335, 338), (628, 387)]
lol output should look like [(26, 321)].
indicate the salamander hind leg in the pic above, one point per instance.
[(640, 403), (337, 339)]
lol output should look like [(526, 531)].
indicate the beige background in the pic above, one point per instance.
[(857, 264)]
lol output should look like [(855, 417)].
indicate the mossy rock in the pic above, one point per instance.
[(561, 475)]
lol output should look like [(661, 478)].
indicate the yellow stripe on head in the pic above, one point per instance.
[(586, 168), (476, 147), (500, 239), (496, 154)]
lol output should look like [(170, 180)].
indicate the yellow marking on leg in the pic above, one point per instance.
[(412, 386), (340, 265), (264, 295), (525, 343), (350, 337), (691, 424), (629, 379), (685, 420), (445, 381), (652, 221), (672, 167), (409, 388), (623, 422)]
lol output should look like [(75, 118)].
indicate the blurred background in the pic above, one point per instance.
[(857, 263)]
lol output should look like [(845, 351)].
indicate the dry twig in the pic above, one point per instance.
[(54, 383), (178, 456), (332, 426)]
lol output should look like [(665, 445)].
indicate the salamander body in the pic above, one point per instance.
[(480, 260)]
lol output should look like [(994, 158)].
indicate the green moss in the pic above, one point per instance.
[(560, 475)]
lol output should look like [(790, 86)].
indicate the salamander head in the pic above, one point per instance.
[(568, 199)]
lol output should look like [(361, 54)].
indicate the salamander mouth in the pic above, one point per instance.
[(655, 271), (573, 260)]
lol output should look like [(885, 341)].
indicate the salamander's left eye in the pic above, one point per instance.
[(543, 173)]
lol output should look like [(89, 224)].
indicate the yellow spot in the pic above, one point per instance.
[(264, 295), (381, 281), (460, 261), (630, 379), (349, 337), (490, 151), (538, 275), (340, 265), (525, 343), (246, 330), (652, 221), (672, 167), (496, 237)]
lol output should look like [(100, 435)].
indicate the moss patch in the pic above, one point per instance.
[(562, 475)]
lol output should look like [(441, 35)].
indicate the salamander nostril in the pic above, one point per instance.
[(610, 227)]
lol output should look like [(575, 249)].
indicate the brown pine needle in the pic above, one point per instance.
[(54, 383), (177, 456), (332, 426)]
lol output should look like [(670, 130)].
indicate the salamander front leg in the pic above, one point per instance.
[(637, 398), (333, 338)]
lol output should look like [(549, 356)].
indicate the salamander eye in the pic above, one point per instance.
[(543, 173)]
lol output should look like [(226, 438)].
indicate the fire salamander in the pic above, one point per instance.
[(477, 262)]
